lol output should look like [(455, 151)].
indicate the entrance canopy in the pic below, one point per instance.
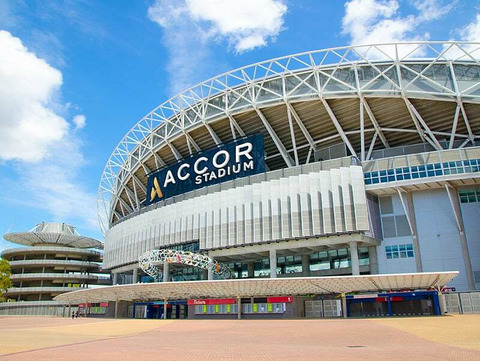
[(260, 287)]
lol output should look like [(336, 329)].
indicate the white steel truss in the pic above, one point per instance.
[(445, 71)]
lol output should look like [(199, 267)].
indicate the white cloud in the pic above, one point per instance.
[(52, 185), (379, 21), (80, 121), (471, 32), (245, 24), (432, 9), (36, 139), (374, 21), (190, 26), (28, 85)]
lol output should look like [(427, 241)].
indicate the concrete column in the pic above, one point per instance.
[(442, 303), (273, 263), (354, 256), (239, 308), (210, 271), (135, 275), (251, 269), (165, 309), (372, 255), (305, 265), (166, 271), (344, 305), (413, 225), (116, 308), (115, 278)]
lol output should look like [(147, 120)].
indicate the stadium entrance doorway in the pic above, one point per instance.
[(156, 310), (417, 303)]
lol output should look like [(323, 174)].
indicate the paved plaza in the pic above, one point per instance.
[(427, 338)]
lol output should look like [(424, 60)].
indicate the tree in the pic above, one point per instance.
[(5, 273)]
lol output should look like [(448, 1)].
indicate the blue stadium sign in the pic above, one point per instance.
[(240, 158)]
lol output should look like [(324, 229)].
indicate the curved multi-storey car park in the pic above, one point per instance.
[(357, 160), (56, 260)]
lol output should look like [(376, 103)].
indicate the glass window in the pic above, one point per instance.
[(399, 251), (386, 205), (403, 228), (389, 227)]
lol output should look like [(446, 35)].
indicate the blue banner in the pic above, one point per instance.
[(240, 158)]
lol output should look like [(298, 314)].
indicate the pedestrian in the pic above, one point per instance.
[(73, 315), (76, 314)]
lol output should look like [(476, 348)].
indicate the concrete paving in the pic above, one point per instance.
[(427, 338)]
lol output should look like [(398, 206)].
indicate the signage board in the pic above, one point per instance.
[(218, 301), (287, 299), (240, 158)]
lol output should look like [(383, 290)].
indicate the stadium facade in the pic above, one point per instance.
[(358, 160), (56, 260)]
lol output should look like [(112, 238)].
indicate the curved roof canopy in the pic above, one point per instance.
[(367, 97), (47, 233), (260, 287)]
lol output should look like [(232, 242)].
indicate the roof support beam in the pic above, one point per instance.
[(130, 195), (174, 150), (338, 126), (281, 148), (374, 122), (302, 127), (467, 123), (214, 135), (139, 183), (158, 161), (116, 214), (135, 191), (192, 142), (416, 114), (292, 134), (145, 168), (124, 204), (362, 132), (235, 124), (454, 126), (372, 144)]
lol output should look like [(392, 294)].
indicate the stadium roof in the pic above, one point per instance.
[(260, 287), (365, 97)]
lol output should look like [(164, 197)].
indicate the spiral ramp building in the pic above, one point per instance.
[(55, 259)]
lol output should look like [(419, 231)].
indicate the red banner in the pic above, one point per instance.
[(104, 304), (218, 301), (288, 299)]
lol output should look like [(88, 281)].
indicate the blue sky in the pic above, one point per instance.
[(76, 75)]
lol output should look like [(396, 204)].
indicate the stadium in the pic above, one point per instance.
[(349, 163)]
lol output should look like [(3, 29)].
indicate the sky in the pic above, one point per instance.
[(76, 75)]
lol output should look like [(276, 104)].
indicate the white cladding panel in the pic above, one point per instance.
[(297, 206), (438, 235), (471, 217)]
